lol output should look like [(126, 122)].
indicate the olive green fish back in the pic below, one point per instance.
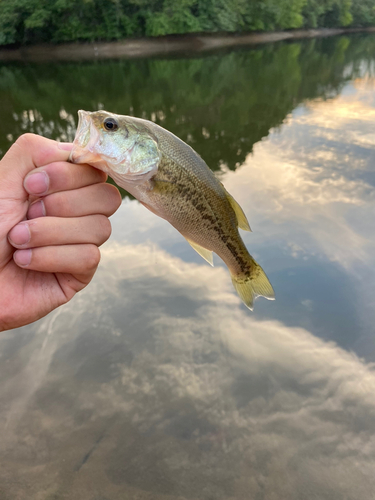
[(182, 154)]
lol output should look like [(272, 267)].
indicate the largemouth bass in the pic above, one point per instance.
[(169, 178)]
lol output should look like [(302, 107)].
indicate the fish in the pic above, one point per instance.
[(171, 180)]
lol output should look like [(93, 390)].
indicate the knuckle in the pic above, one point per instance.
[(56, 205), (118, 198), (104, 229), (25, 140), (60, 172), (113, 198), (92, 257)]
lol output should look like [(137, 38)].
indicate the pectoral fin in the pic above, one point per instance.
[(203, 252), (242, 221)]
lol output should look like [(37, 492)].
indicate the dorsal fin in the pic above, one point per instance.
[(242, 221), (203, 252)]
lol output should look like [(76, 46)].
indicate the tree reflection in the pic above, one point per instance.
[(220, 104)]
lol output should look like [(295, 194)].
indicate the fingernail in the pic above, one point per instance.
[(37, 183), (22, 257), (65, 146), (20, 234), (36, 209)]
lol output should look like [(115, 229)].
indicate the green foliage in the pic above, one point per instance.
[(222, 15), (285, 15), (364, 13), (329, 13), (174, 17), (33, 21)]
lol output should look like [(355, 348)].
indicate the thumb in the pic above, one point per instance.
[(28, 152)]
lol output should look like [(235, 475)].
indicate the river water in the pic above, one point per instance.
[(156, 383)]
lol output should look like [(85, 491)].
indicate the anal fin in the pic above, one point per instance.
[(203, 252)]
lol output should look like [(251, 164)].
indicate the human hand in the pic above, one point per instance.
[(53, 217)]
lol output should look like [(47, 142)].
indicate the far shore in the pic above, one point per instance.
[(171, 44)]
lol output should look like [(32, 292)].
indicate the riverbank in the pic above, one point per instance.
[(172, 44)]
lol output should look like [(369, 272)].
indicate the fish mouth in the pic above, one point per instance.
[(83, 129), (85, 139)]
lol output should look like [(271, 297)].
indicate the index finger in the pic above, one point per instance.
[(61, 176)]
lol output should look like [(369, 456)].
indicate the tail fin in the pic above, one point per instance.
[(257, 284)]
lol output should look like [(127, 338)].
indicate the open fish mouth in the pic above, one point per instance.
[(83, 128), (85, 139)]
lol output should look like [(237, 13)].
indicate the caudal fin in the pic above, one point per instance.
[(257, 284)]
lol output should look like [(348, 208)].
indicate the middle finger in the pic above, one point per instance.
[(95, 199)]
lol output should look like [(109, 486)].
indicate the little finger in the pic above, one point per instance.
[(79, 260)]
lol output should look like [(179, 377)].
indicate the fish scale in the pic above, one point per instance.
[(190, 209), (170, 179)]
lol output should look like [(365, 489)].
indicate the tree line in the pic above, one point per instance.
[(36, 21)]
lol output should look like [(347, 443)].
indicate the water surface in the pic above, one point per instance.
[(156, 382)]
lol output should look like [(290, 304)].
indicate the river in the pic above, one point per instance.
[(155, 382)]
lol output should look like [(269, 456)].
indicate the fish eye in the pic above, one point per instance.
[(110, 124)]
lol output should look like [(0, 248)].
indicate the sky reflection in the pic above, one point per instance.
[(311, 187), (189, 397), (309, 196)]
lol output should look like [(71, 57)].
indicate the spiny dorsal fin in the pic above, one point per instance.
[(242, 221), (203, 252)]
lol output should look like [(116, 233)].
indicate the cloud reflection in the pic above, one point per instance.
[(155, 382), (309, 193), (316, 171), (130, 396)]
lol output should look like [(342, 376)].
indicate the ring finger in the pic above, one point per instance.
[(52, 231)]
